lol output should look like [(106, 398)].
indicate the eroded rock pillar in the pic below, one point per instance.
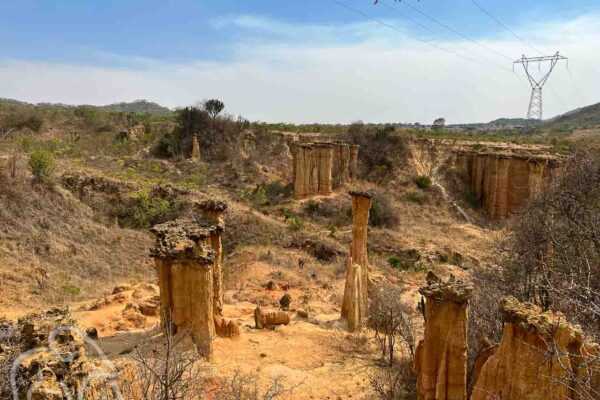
[(540, 356), (356, 302), (184, 262), (353, 162), (212, 211), (325, 169), (441, 357), (195, 149)]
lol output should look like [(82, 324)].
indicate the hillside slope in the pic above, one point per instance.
[(53, 250)]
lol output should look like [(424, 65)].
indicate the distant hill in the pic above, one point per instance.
[(138, 107), (580, 117)]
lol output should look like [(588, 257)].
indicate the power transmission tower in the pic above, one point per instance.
[(534, 113)]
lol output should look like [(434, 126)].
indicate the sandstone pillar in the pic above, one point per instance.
[(184, 262), (195, 149), (356, 302), (325, 168), (353, 162), (540, 356), (212, 212), (441, 357)]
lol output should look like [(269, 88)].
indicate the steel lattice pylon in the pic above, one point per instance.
[(534, 113)]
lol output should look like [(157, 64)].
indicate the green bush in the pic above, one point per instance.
[(416, 197), (395, 261), (312, 207), (423, 181), (71, 289), (295, 223), (148, 209), (42, 165)]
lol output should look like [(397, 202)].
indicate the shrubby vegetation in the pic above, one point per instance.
[(42, 165)]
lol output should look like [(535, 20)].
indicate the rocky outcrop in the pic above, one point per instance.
[(136, 132), (355, 303), (441, 357), (226, 328), (540, 356), (266, 318), (320, 167), (52, 362), (195, 149), (185, 260)]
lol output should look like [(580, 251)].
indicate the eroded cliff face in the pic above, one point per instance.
[(503, 183), (441, 357), (319, 167), (356, 302), (501, 176), (540, 356)]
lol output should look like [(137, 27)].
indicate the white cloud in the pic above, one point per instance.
[(377, 76)]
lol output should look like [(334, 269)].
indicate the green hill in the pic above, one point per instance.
[(583, 117), (138, 107)]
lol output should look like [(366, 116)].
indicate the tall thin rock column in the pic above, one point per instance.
[(195, 149), (441, 357), (184, 262), (356, 302), (325, 169), (212, 211), (353, 161)]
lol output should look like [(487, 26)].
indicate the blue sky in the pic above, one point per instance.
[(299, 61)]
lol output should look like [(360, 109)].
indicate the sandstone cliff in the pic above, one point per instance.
[(441, 357), (319, 167), (503, 183)]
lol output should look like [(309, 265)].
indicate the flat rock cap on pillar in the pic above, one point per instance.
[(455, 290), (361, 193), (178, 240), (212, 205)]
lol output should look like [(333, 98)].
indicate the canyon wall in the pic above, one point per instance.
[(319, 167), (441, 357), (355, 303), (540, 356), (503, 183)]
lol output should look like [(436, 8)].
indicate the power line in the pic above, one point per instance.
[(455, 31), (504, 26), (395, 10), (401, 31)]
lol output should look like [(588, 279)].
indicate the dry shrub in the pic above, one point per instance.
[(552, 254), (398, 382), (392, 320)]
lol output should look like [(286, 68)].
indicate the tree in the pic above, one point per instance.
[(213, 107), (438, 124)]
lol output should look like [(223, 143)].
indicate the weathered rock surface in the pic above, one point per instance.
[(319, 167), (356, 301), (541, 356), (441, 357), (53, 362), (266, 318), (227, 328), (503, 183)]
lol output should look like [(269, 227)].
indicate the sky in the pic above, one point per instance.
[(327, 61)]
